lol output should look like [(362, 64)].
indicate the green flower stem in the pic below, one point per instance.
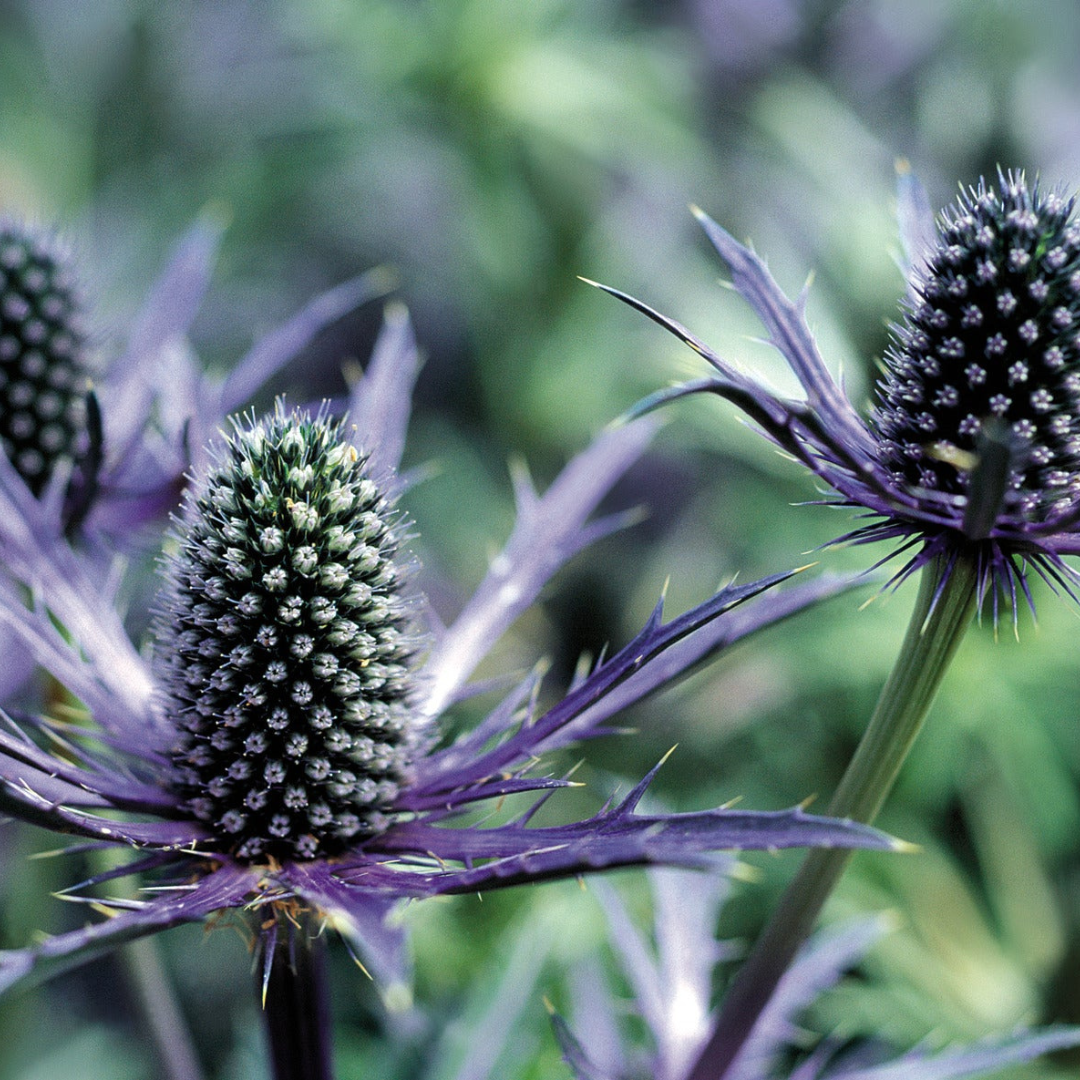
[(942, 614), (296, 1004)]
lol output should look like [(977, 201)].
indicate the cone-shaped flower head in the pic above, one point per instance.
[(285, 644), (990, 355), (42, 345), (973, 447)]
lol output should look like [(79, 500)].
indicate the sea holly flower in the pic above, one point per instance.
[(43, 363), (670, 974), (281, 754), (285, 645), (972, 448), (967, 462), (50, 427)]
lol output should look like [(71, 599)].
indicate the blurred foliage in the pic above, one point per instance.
[(491, 151)]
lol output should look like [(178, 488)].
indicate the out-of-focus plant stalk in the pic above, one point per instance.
[(943, 611), (151, 988), (160, 1011)]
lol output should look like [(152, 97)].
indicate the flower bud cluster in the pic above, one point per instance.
[(993, 337), (42, 346), (285, 645)]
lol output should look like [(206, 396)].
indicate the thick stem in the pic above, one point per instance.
[(942, 614), (296, 1002)]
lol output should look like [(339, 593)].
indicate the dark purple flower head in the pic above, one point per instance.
[(283, 755), (43, 366), (973, 446), (989, 354), (286, 650)]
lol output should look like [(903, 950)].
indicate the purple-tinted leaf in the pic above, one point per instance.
[(224, 888), (175, 297), (22, 759), (470, 746), (380, 402), (119, 696), (789, 333), (141, 373), (672, 990), (687, 907), (145, 863), (548, 532), (112, 680), (516, 853), (686, 654), (818, 966), (729, 372), (775, 412), (574, 1053), (495, 788), (596, 1014), (18, 664), (981, 1059), (453, 768), (275, 349), (34, 797)]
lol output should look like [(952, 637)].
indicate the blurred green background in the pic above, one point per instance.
[(491, 151)]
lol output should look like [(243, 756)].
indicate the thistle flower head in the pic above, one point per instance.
[(973, 447), (42, 362), (990, 353), (285, 644)]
